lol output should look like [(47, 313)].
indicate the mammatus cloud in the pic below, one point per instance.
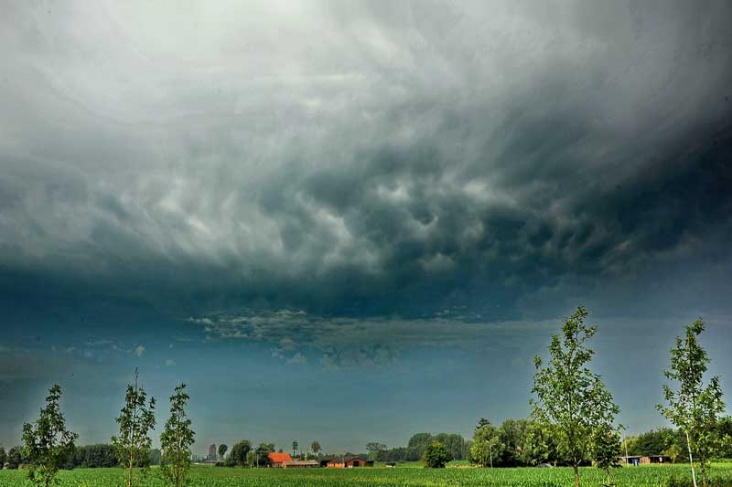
[(368, 156)]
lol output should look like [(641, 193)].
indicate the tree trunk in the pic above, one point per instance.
[(129, 475), (576, 476)]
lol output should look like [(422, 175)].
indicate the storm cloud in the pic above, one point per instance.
[(325, 186)]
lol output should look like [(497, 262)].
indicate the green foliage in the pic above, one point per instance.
[(177, 439), (569, 396), (3, 457), (238, 455), (222, 450), (15, 458), (295, 446), (606, 450), (485, 443), (47, 442), (375, 448), (261, 454), (135, 421), (693, 407), (315, 447), (436, 455)]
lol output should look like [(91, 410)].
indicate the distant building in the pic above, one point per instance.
[(279, 460), (345, 462), (211, 453)]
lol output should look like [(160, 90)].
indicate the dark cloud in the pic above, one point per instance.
[(374, 159)]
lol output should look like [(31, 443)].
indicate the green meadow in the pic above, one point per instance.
[(401, 476)]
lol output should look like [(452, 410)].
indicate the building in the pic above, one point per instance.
[(211, 453), (279, 460), (345, 462), (302, 464)]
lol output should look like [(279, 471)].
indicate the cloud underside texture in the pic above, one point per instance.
[(361, 158)]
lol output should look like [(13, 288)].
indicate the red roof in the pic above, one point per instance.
[(280, 458)]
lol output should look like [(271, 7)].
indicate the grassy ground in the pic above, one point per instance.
[(644, 476)]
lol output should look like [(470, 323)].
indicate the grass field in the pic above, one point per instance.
[(644, 476)]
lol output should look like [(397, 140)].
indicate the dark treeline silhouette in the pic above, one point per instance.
[(99, 455)]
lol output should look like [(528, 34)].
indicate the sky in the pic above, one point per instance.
[(354, 221)]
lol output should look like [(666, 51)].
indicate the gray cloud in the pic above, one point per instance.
[(334, 342), (362, 158)]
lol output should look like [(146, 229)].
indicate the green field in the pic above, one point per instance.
[(644, 476)]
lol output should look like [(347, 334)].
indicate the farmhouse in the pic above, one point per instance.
[(345, 462), (279, 460)]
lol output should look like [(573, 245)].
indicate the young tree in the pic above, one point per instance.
[(294, 448), (222, 450), (436, 455), (569, 396), (606, 450), (136, 419), (47, 442), (693, 407), (315, 447), (177, 439)]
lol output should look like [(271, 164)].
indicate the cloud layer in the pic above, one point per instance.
[(370, 156)]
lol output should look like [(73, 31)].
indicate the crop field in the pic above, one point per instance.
[(644, 476)]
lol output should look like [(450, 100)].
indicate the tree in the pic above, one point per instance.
[(238, 455), (606, 450), (315, 447), (485, 443), (436, 455), (294, 448), (569, 396), (512, 437), (693, 407), (47, 442), (3, 457), (222, 450), (177, 439), (136, 419), (374, 448), (261, 454), (15, 458)]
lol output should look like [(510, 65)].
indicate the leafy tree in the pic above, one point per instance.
[(15, 458), (417, 445), (136, 419), (3, 457), (606, 450), (222, 450), (261, 454), (453, 442), (512, 437), (436, 455), (177, 439), (374, 448), (294, 448), (724, 433), (47, 442), (485, 443), (541, 445), (693, 407), (315, 447), (568, 395), (238, 454)]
